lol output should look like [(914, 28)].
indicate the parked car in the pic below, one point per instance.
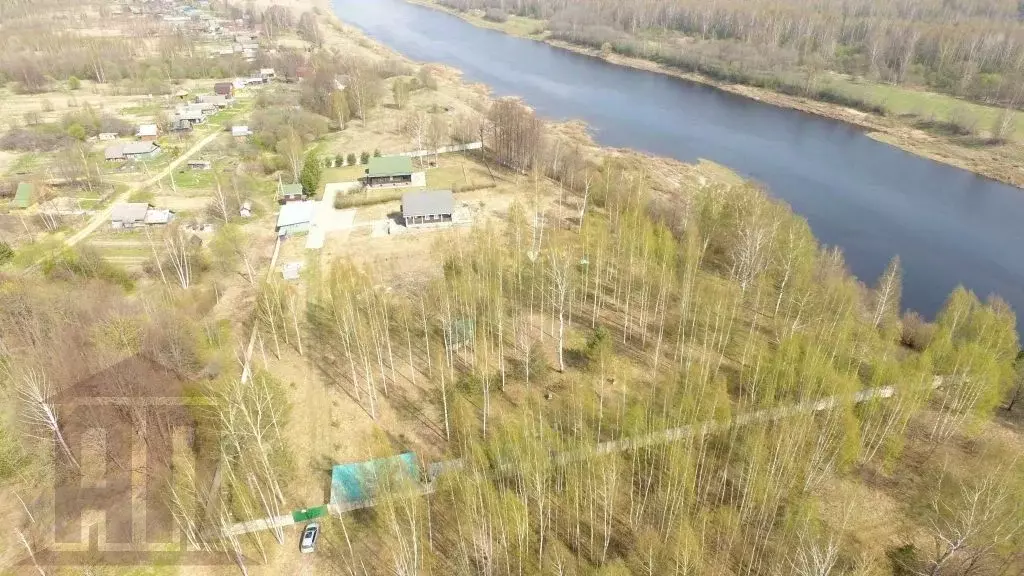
[(309, 536)]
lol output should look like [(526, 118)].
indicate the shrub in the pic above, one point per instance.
[(495, 15), (77, 132), (339, 161), (25, 139), (376, 153), (350, 160), (364, 158), (6, 252), (74, 83), (917, 333)]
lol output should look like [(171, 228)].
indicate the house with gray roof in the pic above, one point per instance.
[(126, 215), (428, 207)]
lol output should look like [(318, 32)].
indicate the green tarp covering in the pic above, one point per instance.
[(354, 482)]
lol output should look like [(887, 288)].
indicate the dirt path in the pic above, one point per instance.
[(102, 216)]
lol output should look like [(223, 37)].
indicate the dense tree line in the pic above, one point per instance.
[(969, 49)]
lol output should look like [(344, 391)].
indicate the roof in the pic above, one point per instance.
[(147, 130), (133, 148), (223, 87), (295, 213), (389, 166), (243, 131), (427, 202), (190, 113), (114, 152), (155, 216), (291, 189), (211, 99), (129, 212), (23, 197)]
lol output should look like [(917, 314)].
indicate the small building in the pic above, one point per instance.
[(246, 210), (107, 136), (23, 196), (179, 125), (199, 164), (289, 193), (267, 74), (226, 89), (147, 132), (393, 171), (216, 100), (240, 131), (295, 218), (158, 216), (114, 153), (141, 150), (127, 215), (428, 207)]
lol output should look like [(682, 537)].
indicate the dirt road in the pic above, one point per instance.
[(102, 216)]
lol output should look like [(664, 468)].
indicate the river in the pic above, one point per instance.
[(873, 200)]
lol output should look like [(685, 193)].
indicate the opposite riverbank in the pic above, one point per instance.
[(1000, 162)]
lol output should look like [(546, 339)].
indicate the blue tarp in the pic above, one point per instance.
[(354, 482)]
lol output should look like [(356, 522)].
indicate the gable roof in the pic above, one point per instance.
[(147, 130), (389, 166), (295, 213), (134, 148), (115, 152), (427, 202), (129, 212), (190, 113), (23, 197)]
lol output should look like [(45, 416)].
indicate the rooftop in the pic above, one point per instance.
[(23, 197), (295, 213), (138, 148), (129, 212), (428, 202), (147, 130), (291, 189), (389, 166)]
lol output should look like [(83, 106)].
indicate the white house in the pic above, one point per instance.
[(240, 131), (147, 132)]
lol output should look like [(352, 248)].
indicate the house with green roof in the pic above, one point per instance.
[(389, 171), (23, 197), (290, 193)]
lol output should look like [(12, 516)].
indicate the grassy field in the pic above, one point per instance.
[(902, 101), (346, 174)]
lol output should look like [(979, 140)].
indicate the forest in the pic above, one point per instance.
[(972, 50)]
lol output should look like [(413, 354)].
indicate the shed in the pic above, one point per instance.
[(224, 89), (23, 196), (428, 207), (267, 73), (192, 114), (295, 218), (389, 171), (147, 132), (218, 100), (106, 136), (180, 125), (289, 193), (240, 131), (200, 164), (128, 215), (158, 216)]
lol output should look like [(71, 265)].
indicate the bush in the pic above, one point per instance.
[(495, 15), (6, 252), (917, 333), (376, 153), (350, 160), (364, 158), (77, 132), (74, 83), (43, 138), (85, 262), (339, 161)]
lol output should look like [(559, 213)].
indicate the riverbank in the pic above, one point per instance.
[(1000, 162)]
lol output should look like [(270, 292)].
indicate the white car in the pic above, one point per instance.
[(309, 536)]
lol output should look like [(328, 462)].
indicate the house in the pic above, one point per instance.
[(216, 100), (226, 89), (147, 132), (131, 151), (107, 136), (289, 193), (295, 218), (267, 73), (158, 216), (389, 171), (240, 131), (179, 125), (200, 164), (428, 207), (23, 196), (127, 215), (141, 150)]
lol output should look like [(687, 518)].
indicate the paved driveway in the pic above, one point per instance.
[(326, 218)]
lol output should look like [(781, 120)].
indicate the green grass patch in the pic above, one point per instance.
[(26, 163), (143, 110), (902, 101), (369, 198), (346, 174), (193, 179)]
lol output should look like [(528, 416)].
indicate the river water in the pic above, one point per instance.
[(948, 226)]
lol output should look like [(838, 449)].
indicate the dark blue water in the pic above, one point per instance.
[(873, 200)]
